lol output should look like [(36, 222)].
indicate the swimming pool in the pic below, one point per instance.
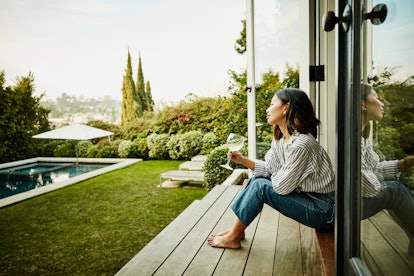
[(20, 179), (24, 179)]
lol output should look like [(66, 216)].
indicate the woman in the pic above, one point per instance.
[(381, 188), (297, 177)]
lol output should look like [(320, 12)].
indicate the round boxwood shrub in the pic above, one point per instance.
[(190, 144), (139, 148), (83, 147), (93, 151), (174, 147), (106, 152), (210, 141), (124, 148), (49, 147), (67, 149), (213, 173), (157, 145)]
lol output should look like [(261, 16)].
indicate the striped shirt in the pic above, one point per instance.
[(374, 172), (305, 166)]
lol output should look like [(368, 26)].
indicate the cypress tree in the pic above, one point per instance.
[(150, 101), (131, 109), (140, 88)]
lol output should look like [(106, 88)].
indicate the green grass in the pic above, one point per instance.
[(91, 228)]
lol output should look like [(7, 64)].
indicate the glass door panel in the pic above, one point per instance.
[(387, 226)]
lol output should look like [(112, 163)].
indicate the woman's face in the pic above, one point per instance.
[(276, 112), (373, 107)]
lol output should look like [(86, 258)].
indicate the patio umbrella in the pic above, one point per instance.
[(74, 132)]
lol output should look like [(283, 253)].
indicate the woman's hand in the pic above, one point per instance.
[(406, 163), (238, 158)]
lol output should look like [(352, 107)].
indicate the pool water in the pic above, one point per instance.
[(20, 179)]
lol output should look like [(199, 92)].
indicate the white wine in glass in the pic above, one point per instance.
[(234, 142)]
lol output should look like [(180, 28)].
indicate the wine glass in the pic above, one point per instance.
[(234, 143)]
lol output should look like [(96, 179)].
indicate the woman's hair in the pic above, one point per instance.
[(365, 91), (300, 115)]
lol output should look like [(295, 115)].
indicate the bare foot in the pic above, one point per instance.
[(224, 241), (242, 235)]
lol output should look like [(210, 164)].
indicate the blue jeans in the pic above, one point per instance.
[(312, 209), (398, 200)]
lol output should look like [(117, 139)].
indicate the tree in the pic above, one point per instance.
[(131, 102), (21, 117), (140, 88), (241, 41), (150, 103)]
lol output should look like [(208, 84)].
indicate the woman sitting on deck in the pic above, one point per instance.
[(296, 179)]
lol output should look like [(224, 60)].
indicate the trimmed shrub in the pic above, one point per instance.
[(210, 141), (124, 148), (67, 149), (213, 173), (83, 147), (106, 152), (139, 148), (191, 144), (49, 147), (174, 147), (93, 151), (157, 145)]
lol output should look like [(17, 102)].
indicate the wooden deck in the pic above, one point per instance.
[(274, 244), (384, 246)]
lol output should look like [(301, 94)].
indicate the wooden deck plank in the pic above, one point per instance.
[(388, 261), (395, 236), (288, 259), (262, 253), (311, 259), (206, 260), (233, 261), (178, 260), (147, 261)]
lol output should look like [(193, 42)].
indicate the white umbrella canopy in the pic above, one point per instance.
[(74, 132)]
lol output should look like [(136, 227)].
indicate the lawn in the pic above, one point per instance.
[(91, 228)]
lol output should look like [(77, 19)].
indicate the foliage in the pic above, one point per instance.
[(21, 117), (83, 147), (173, 146), (49, 147), (213, 173), (106, 152), (210, 141), (135, 99), (93, 151), (140, 127), (202, 114), (124, 148), (157, 145), (190, 144), (139, 148), (240, 46), (66, 149)]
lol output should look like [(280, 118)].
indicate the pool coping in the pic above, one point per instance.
[(119, 163)]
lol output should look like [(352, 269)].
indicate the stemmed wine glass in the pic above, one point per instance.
[(234, 143)]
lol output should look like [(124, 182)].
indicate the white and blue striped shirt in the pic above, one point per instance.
[(306, 167), (373, 172)]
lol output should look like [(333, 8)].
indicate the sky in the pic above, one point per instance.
[(80, 47)]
